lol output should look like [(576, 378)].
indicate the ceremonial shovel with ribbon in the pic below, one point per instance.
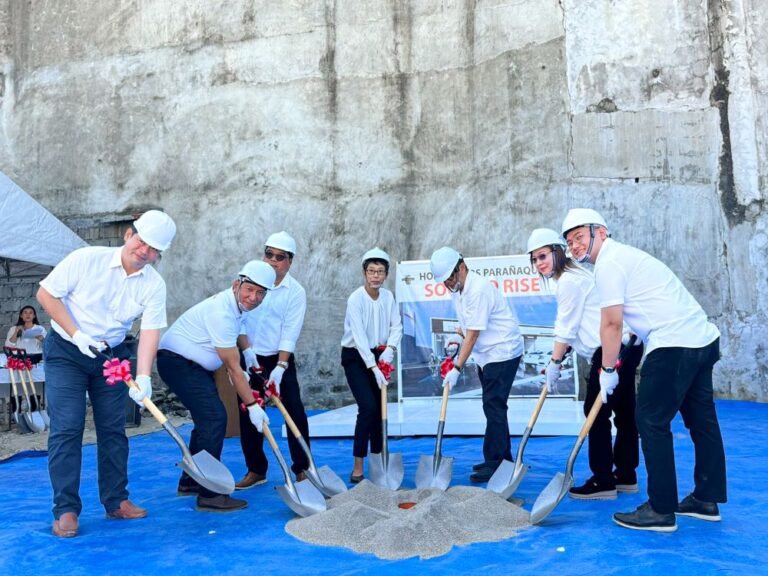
[(202, 467)]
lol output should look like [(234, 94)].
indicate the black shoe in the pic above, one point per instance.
[(646, 518), (187, 489), (356, 479), (219, 503), (691, 506), (594, 490), (484, 465), (626, 484), (482, 475)]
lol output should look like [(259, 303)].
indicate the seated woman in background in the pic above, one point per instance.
[(28, 334)]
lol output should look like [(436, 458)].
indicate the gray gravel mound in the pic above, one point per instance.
[(367, 519)]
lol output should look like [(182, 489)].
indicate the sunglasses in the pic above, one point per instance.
[(274, 256), (541, 257)]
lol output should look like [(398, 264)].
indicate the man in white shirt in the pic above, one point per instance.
[(492, 337), (268, 342), (199, 342), (93, 296), (682, 347)]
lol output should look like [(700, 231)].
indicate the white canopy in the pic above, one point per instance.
[(29, 232)]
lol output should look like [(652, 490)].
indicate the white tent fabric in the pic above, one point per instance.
[(29, 232)]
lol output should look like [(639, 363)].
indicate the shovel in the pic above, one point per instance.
[(33, 419), (436, 471), (43, 411), (508, 475), (385, 469), (301, 497), (324, 479), (35, 415), (202, 467), (21, 423)]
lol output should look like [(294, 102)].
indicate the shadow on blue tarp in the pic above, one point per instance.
[(25, 454)]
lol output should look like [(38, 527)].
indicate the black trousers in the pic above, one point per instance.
[(252, 441), (363, 385), (623, 454), (496, 379), (672, 380)]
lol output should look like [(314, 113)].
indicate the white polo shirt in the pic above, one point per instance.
[(480, 307), (578, 312), (657, 307), (102, 299), (213, 323), (276, 324), (370, 323)]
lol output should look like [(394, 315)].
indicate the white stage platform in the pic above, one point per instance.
[(558, 417)]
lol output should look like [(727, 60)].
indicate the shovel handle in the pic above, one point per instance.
[(288, 420), (537, 409), (271, 439), (384, 402), (585, 428), (148, 404), (444, 403)]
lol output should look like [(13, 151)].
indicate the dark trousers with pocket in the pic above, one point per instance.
[(363, 385), (621, 456), (672, 380), (496, 379), (196, 388)]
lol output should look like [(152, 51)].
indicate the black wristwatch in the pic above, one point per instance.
[(556, 361), (608, 370)]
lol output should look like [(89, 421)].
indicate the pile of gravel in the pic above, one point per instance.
[(368, 519)]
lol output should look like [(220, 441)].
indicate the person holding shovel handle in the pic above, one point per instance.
[(200, 341), (682, 347), (372, 333), (492, 336), (577, 325), (93, 297)]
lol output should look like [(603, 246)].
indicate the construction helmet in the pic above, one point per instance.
[(544, 237), (443, 262), (258, 272), (156, 228), (282, 241), (578, 217), (375, 254)]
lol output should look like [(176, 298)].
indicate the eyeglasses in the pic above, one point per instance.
[(150, 249), (576, 238), (275, 256), (454, 275), (541, 257), (376, 272)]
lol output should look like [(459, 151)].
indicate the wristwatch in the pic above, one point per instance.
[(608, 370), (556, 361), (283, 364)]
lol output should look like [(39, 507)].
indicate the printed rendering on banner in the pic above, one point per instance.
[(429, 319)]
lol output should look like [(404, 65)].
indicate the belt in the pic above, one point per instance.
[(167, 353)]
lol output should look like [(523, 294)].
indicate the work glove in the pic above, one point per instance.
[(608, 383), (552, 376), (144, 390), (258, 417), (627, 335), (379, 375), (452, 345), (276, 377), (84, 342), (451, 378), (387, 356), (250, 360)]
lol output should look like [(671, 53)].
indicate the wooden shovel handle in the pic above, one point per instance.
[(444, 403), (268, 435), (384, 402), (537, 409), (288, 420), (591, 417), (148, 404)]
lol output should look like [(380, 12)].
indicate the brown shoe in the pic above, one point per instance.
[(250, 480), (301, 476), (66, 525), (219, 503), (127, 511)]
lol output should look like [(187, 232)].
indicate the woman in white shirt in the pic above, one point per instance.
[(27, 332), (372, 321), (613, 464)]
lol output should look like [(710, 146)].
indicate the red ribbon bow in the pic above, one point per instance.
[(386, 369), (12, 363), (257, 397), (116, 371), (446, 366), (28, 364), (271, 390)]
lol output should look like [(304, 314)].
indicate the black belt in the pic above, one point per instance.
[(163, 352)]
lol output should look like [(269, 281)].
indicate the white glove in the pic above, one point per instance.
[(387, 356), (250, 359), (451, 378), (627, 335), (608, 383), (144, 389), (276, 377), (83, 343), (553, 375), (380, 380), (258, 417)]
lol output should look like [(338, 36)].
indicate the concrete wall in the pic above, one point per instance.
[(406, 125)]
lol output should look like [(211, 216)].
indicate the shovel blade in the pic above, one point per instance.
[(304, 499), (326, 480), (520, 473), (36, 422), (208, 472), (550, 497), (501, 477), (426, 477), (386, 474)]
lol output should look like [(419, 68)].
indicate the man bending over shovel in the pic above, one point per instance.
[(199, 342), (93, 296)]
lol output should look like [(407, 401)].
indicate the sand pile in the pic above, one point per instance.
[(369, 519)]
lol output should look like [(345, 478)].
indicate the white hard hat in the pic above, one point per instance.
[(259, 272), (544, 237), (577, 217), (443, 262), (282, 241), (156, 228), (376, 254)]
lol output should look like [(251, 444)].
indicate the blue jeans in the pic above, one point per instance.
[(496, 379), (68, 376), (196, 388)]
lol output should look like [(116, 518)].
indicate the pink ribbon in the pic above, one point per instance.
[(257, 397), (271, 390), (446, 366), (116, 371), (386, 369)]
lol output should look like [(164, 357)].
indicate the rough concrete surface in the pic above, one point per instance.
[(407, 125)]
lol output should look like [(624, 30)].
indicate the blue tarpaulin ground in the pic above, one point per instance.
[(577, 538)]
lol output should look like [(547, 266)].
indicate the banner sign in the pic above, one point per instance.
[(429, 319)]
